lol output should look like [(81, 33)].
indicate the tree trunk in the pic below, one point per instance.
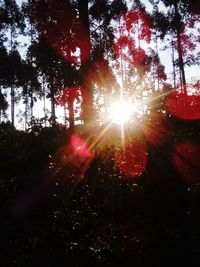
[(71, 114), (85, 55), (0, 106), (180, 51), (173, 62), (26, 112), (158, 78), (53, 110), (12, 94), (32, 102), (65, 115), (44, 102), (181, 63)]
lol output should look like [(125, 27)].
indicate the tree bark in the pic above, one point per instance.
[(85, 55), (71, 115), (44, 102), (173, 62), (180, 51), (12, 94), (53, 110)]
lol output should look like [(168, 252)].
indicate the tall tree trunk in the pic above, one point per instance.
[(70, 104), (12, 94), (32, 103), (180, 51), (31, 84), (85, 55), (26, 112), (173, 63), (69, 101), (44, 102), (157, 78), (121, 66), (53, 102), (53, 110), (65, 115), (0, 106), (156, 43)]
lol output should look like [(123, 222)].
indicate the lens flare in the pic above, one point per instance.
[(186, 107), (134, 24), (131, 160), (72, 160), (185, 158), (120, 112), (80, 147)]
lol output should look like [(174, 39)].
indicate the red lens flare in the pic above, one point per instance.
[(79, 146), (138, 21), (71, 161), (183, 106), (131, 160), (186, 160), (67, 95), (135, 28)]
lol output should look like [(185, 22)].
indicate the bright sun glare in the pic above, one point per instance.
[(120, 112)]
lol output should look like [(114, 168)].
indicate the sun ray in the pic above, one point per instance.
[(101, 135), (122, 135)]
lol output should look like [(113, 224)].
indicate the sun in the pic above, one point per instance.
[(120, 112)]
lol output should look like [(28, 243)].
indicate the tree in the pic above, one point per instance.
[(14, 78), (3, 105), (179, 19), (57, 41), (31, 74), (133, 61), (3, 79), (104, 16), (12, 21), (58, 74), (85, 56), (66, 98), (31, 85)]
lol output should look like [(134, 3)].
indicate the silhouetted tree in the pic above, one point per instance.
[(179, 18), (3, 79), (12, 21)]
